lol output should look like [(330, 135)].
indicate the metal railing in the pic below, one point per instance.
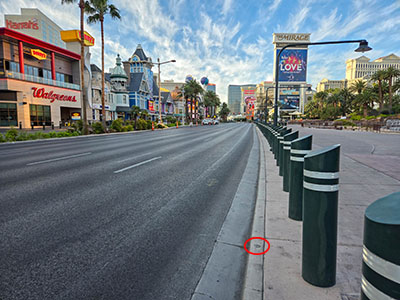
[(37, 79)]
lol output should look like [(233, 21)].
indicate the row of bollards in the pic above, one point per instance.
[(312, 180)]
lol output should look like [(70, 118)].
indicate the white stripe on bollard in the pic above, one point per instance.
[(372, 292), (321, 175), (381, 266), (321, 187), (295, 151), (295, 158)]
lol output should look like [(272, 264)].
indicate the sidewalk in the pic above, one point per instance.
[(359, 187)]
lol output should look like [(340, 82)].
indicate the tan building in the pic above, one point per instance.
[(363, 67), (326, 84), (261, 93)]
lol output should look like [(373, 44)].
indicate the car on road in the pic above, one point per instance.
[(206, 122), (215, 122)]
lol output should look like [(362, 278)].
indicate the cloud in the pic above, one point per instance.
[(227, 6)]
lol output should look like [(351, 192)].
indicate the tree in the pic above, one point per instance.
[(135, 112), (98, 9), (211, 101), (192, 89), (81, 4), (224, 112), (346, 97), (391, 73), (144, 114), (379, 76), (358, 86)]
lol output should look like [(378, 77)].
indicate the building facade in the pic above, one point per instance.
[(119, 95), (142, 88), (236, 98), (34, 23), (326, 84), (39, 82), (211, 87), (363, 68)]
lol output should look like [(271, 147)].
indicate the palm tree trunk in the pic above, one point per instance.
[(103, 106), (83, 91)]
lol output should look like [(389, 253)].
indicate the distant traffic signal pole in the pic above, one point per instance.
[(363, 47)]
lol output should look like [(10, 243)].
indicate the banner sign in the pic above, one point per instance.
[(249, 99), (289, 98), (151, 105), (293, 65)]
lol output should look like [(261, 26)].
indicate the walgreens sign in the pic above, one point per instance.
[(42, 93), (31, 24)]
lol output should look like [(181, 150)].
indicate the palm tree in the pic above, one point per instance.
[(81, 4), (192, 90), (379, 76), (358, 86), (224, 111), (135, 112), (98, 9), (345, 100), (211, 101), (391, 73)]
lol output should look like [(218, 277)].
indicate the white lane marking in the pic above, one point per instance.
[(137, 165), (130, 158), (59, 158)]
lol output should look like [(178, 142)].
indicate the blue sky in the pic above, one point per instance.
[(230, 41)]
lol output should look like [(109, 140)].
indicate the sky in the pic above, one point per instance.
[(230, 41)]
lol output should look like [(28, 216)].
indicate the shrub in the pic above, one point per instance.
[(75, 133), (171, 125), (149, 124), (11, 135), (2, 138), (370, 117), (356, 117), (97, 127), (52, 134), (343, 123), (78, 125), (141, 124), (63, 134), (382, 116), (117, 125), (129, 127)]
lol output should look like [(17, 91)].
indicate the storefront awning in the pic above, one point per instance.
[(123, 109)]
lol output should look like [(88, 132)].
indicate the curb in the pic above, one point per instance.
[(254, 279), (223, 275)]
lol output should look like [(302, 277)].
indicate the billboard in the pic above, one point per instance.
[(289, 98), (249, 99), (292, 65)]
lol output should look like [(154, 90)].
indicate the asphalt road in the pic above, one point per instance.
[(132, 216)]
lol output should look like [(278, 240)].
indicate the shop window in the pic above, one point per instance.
[(8, 114), (12, 66), (40, 114)]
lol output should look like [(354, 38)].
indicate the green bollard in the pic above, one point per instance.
[(381, 251), (280, 151), (299, 148), (287, 140), (320, 209)]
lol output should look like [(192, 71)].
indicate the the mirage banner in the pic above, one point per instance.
[(293, 65)]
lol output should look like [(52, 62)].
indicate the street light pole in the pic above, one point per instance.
[(159, 85), (363, 47)]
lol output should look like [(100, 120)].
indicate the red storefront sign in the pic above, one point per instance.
[(31, 24), (42, 93)]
